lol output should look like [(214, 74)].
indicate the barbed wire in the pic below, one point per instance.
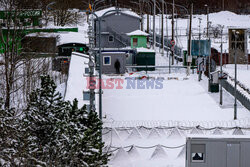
[(144, 147), (179, 128)]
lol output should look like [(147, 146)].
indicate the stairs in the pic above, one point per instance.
[(119, 37)]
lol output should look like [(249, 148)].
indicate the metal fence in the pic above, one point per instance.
[(241, 97)]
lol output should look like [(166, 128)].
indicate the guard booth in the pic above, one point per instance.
[(218, 151), (114, 62)]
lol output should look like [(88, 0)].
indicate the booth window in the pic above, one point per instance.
[(198, 153), (86, 96), (111, 38), (106, 60), (86, 70)]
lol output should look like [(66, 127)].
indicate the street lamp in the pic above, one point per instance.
[(100, 18), (236, 35), (209, 58), (221, 73)]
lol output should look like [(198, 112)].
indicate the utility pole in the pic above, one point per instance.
[(189, 56), (167, 26), (148, 21), (172, 50), (141, 13), (221, 73), (154, 35), (223, 5), (162, 27)]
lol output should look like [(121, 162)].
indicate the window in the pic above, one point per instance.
[(86, 96), (198, 153), (106, 60), (135, 42), (111, 38), (86, 70)]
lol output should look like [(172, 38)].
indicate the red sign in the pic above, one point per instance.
[(172, 42)]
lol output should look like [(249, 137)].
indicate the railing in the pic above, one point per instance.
[(241, 97), (118, 36)]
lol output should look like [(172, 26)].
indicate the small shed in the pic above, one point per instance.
[(113, 62), (145, 57), (218, 151), (138, 39)]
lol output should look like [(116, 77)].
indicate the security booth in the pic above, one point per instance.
[(218, 151), (114, 62), (138, 39), (145, 57)]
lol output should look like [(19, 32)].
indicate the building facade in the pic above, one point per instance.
[(114, 28)]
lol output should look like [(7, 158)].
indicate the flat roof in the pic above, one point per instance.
[(207, 137), (145, 50)]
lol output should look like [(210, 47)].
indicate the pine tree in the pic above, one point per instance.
[(61, 134), (44, 114), (93, 137)]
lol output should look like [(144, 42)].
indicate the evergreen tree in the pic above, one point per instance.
[(61, 134), (93, 138), (44, 115)]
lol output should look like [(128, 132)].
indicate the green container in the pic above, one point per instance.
[(145, 59), (214, 88)]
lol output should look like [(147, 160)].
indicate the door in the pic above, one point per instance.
[(233, 155)]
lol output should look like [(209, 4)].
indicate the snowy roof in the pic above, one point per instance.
[(138, 32), (218, 136), (72, 37), (113, 52), (124, 11), (63, 37), (145, 50), (43, 34)]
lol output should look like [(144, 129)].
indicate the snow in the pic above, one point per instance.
[(243, 74), (77, 83), (145, 50), (72, 37), (138, 32), (177, 100), (243, 77), (65, 37), (123, 10)]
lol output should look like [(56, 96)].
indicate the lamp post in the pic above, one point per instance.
[(221, 91), (209, 57), (236, 35), (99, 18), (172, 49)]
